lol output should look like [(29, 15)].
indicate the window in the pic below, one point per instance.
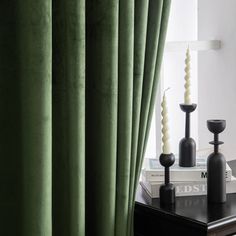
[(213, 74)]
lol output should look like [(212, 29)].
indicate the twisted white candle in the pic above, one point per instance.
[(165, 127), (187, 94)]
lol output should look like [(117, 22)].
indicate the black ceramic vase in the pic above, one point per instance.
[(167, 190), (187, 145), (216, 165)]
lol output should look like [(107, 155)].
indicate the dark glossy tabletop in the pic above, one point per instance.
[(195, 208)]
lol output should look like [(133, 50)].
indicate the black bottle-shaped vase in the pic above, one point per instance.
[(216, 165), (187, 145)]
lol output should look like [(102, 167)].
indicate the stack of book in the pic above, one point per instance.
[(188, 181)]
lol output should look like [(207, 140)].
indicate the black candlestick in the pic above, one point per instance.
[(216, 165), (187, 145), (167, 190)]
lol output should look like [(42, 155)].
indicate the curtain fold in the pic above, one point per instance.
[(34, 55), (68, 117), (101, 115), (140, 34), (10, 123), (78, 83), (125, 113)]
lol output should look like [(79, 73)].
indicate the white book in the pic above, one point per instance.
[(154, 171), (185, 188)]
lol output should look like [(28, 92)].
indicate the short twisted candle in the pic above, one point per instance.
[(165, 128)]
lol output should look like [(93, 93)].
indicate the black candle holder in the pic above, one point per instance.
[(167, 190), (187, 145), (216, 165)]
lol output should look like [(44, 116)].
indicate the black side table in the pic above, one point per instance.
[(191, 216)]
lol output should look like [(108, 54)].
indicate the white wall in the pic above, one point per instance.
[(217, 72)]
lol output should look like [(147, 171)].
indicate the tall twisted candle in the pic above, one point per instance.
[(187, 97), (165, 128)]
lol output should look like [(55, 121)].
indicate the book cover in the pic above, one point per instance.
[(154, 171), (195, 188)]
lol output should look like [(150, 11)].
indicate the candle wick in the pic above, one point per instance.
[(166, 89)]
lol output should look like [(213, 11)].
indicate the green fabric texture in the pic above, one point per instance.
[(78, 82), (68, 117)]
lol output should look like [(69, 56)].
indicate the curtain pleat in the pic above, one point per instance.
[(140, 31), (101, 115), (125, 100), (10, 123), (68, 123), (34, 40), (78, 82)]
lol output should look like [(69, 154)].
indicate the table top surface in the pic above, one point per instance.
[(195, 208)]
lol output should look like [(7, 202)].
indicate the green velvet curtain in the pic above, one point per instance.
[(78, 82)]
